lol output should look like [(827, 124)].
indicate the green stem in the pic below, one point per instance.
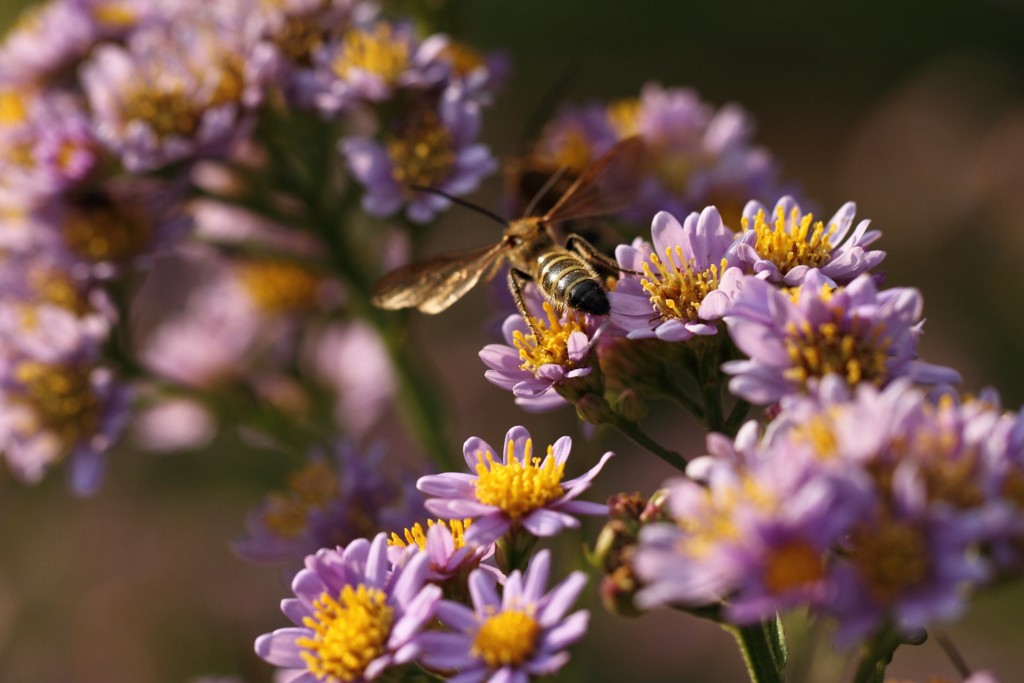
[(764, 650), (876, 657), (633, 431)]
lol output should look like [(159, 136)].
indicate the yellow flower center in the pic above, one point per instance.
[(349, 632), (792, 565), (462, 57), (715, 522), (62, 399), (299, 36), (677, 292), (284, 515), (423, 152), (806, 243), (167, 111), (857, 353), (314, 483), (417, 535), (378, 51), (550, 344), (573, 150), (891, 557), (624, 116), (115, 14), (278, 286), (97, 229), (54, 286), (818, 433), (506, 639), (521, 486), (12, 108)]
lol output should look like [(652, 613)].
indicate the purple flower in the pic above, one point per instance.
[(519, 490), (173, 93), (856, 332), (353, 617), (785, 249), (532, 368), (511, 638), (370, 62), (687, 278), (330, 501), (434, 146), (445, 544)]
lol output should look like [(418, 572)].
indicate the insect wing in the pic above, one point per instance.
[(606, 186), (435, 284)]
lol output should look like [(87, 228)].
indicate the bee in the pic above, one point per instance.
[(569, 276)]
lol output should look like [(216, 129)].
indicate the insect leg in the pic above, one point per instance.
[(515, 278), (588, 251)]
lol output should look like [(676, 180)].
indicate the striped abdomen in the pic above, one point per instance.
[(566, 278)]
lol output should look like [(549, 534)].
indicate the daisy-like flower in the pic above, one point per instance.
[(173, 93), (433, 146), (369, 62), (354, 619), (781, 246), (688, 278), (534, 362), (332, 500), (511, 638), (513, 490), (857, 332), (445, 543)]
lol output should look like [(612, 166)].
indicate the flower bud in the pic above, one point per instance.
[(630, 405)]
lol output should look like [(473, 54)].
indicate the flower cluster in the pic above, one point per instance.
[(363, 608), (874, 507)]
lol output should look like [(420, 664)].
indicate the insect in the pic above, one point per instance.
[(569, 276)]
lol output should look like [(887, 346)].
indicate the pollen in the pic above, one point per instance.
[(624, 116), (99, 230), (792, 565), (349, 632), (61, 398), (805, 243), (891, 557), (677, 292), (521, 486), (277, 287), (377, 51), (422, 152), (549, 345), (169, 112), (284, 515), (856, 351), (417, 535), (506, 639), (12, 108)]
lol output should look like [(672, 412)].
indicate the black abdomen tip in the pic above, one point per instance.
[(589, 297)]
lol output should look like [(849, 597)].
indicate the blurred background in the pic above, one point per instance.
[(914, 110)]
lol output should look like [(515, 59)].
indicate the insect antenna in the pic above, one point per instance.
[(461, 202), (545, 188)]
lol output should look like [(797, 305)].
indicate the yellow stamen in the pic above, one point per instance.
[(278, 286), (314, 484), (624, 116), (506, 639), (521, 486), (573, 150), (284, 515), (422, 152), (61, 398), (349, 632), (12, 108), (417, 535), (462, 57), (796, 242), (891, 557), (378, 51), (97, 229), (792, 565), (168, 111), (678, 291), (552, 348)]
